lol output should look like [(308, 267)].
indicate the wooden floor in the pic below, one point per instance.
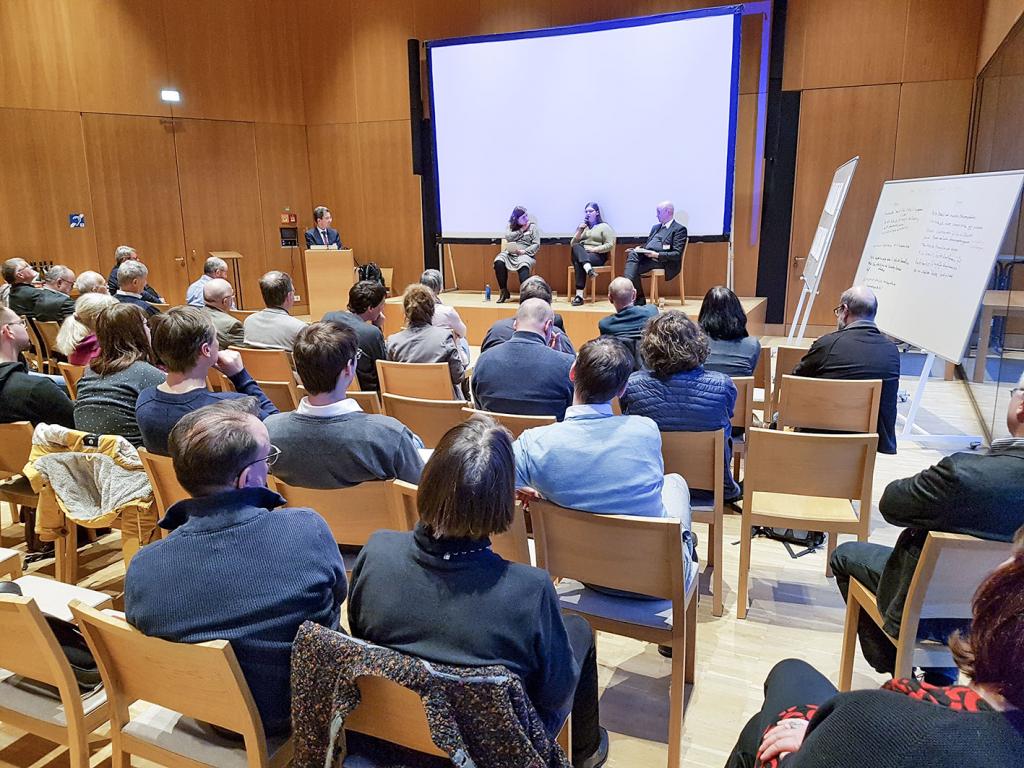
[(795, 612)]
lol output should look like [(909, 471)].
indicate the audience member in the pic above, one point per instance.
[(91, 282), (132, 279), (236, 567), (274, 327), (441, 593), (218, 301), (858, 350), (979, 494), (629, 319), (328, 442), (365, 316), (676, 391), (24, 397), (595, 461), (423, 342), (907, 723), (215, 268), (76, 339), (445, 316), (733, 351), (185, 341), (111, 385), (524, 375), (22, 295), (121, 255), (54, 302), (532, 288)]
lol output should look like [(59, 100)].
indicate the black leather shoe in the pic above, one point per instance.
[(505, 296), (665, 650), (577, 301), (600, 755)]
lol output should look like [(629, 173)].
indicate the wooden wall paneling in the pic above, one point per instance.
[(328, 62), (566, 13), (44, 179), (283, 169), (438, 19), (997, 20), (381, 29), (120, 56), (391, 199), (987, 100), (748, 188), (134, 181), (35, 55), (934, 120), (1008, 139), (835, 125), (209, 51), (220, 200), (795, 45), (751, 34), (513, 15), (336, 180), (277, 63), (942, 39)]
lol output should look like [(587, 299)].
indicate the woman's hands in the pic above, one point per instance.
[(784, 737)]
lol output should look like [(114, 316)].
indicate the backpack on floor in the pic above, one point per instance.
[(807, 539), (372, 272)]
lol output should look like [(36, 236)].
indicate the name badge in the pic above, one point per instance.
[(666, 247)]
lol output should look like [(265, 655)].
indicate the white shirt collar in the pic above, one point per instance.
[(340, 408), (128, 293), (594, 409)]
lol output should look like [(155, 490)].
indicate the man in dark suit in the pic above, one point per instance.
[(663, 250), (524, 375), (23, 295), (365, 316), (321, 233), (858, 350), (532, 288), (121, 255), (55, 302), (979, 494), (131, 281)]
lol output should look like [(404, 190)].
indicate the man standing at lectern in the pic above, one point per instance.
[(663, 250), (321, 233)]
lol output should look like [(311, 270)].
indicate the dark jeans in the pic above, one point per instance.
[(865, 562), (636, 266), (501, 272), (581, 255), (586, 731), (791, 683)]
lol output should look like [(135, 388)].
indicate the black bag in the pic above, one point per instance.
[(372, 272), (807, 539)]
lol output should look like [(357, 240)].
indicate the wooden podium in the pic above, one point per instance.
[(329, 277)]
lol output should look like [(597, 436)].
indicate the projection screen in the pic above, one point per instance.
[(626, 113)]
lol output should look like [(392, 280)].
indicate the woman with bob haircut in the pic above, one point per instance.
[(76, 339), (806, 723), (522, 241), (677, 391), (441, 593), (733, 351), (423, 342)]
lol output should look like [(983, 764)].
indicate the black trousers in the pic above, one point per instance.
[(586, 731), (791, 683), (581, 256), (501, 272), (636, 266)]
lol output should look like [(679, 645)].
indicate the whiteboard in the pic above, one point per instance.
[(930, 252), (818, 252)]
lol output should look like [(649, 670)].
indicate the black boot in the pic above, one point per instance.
[(503, 297)]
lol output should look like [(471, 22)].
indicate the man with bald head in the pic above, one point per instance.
[(215, 267), (629, 319), (858, 350), (524, 375), (91, 282), (218, 300), (663, 250)]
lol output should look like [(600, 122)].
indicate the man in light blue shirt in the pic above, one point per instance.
[(213, 268)]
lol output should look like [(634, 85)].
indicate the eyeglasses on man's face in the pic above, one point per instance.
[(838, 309)]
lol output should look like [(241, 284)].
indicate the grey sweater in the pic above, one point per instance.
[(342, 451), (106, 404)]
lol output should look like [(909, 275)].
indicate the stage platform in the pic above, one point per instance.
[(580, 322)]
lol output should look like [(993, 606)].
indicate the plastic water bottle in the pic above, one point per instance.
[(661, 302), (487, 292)]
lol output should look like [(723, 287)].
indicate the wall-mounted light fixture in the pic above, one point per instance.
[(170, 96)]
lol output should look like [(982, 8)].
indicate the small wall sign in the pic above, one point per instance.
[(76, 220)]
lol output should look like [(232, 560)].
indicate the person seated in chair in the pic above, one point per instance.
[(663, 250), (24, 396), (274, 327), (522, 241), (55, 303), (628, 321), (365, 316), (535, 287), (218, 301), (121, 255), (423, 342), (734, 352), (132, 281), (590, 246), (23, 294)]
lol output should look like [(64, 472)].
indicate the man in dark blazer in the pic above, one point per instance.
[(524, 375), (121, 255), (365, 316), (55, 302), (501, 331), (23, 295), (131, 279), (858, 350), (978, 494), (663, 250), (321, 233)]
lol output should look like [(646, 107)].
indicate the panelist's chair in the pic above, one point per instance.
[(428, 419), (607, 269), (427, 381), (659, 274), (513, 422)]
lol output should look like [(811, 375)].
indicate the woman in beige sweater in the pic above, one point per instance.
[(591, 244)]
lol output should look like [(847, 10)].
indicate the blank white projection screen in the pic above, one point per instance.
[(626, 117)]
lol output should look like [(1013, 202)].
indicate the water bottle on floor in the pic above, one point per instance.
[(487, 292)]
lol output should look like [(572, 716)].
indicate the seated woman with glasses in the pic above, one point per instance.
[(441, 593)]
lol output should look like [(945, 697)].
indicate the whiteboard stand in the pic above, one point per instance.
[(805, 292), (921, 437)]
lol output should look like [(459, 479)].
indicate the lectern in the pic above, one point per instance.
[(329, 277)]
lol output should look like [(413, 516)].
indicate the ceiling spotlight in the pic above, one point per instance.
[(170, 95)]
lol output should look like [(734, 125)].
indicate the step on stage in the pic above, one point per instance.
[(580, 322)]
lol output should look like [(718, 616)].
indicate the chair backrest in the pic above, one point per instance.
[(514, 423), (699, 457), (390, 712), (429, 381), (201, 680), (763, 373), (218, 382), (166, 488), (33, 355), (47, 331), (283, 394), (786, 359), (368, 401), (353, 514), (72, 374), (847, 406), (15, 446), (743, 412), (638, 554), (241, 314), (429, 419), (806, 464), (266, 364)]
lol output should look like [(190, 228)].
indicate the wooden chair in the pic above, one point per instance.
[(218, 382), (742, 418), (948, 573), (786, 359), (513, 544), (33, 355), (429, 419), (267, 364), (513, 422), (428, 381), (637, 554), (160, 307), (184, 685), (15, 489), (700, 458), (607, 269), (46, 332), (368, 401), (845, 406), (241, 314), (10, 563), (805, 481), (659, 274), (29, 649), (166, 488), (283, 394), (72, 374), (763, 380)]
